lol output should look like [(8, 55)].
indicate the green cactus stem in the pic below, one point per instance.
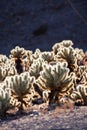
[(4, 102), (80, 94), (21, 88), (55, 79)]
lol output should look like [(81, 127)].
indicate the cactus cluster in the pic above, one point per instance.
[(52, 75), (4, 101)]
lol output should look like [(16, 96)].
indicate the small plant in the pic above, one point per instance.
[(4, 102), (64, 43), (3, 73), (84, 60), (28, 60), (35, 68), (37, 53), (55, 79), (17, 55), (68, 55), (80, 94), (79, 54), (79, 74), (21, 88), (3, 60), (47, 56)]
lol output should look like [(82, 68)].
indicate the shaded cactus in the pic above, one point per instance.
[(4, 102), (56, 79), (79, 74), (21, 85)]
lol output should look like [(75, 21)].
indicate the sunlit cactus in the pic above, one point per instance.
[(7, 70), (56, 79), (4, 101), (36, 67), (64, 43), (18, 52), (3, 73), (21, 86), (28, 60), (50, 76), (67, 43), (37, 53), (84, 60), (80, 94), (79, 54), (17, 55), (67, 54), (12, 71), (84, 78), (3, 59), (47, 56), (6, 85)]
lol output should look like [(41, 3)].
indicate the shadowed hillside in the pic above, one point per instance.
[(39, 24)]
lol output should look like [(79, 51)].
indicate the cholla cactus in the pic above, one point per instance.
[(79, 74), (79, 54), (67, 54), (36, 54), (3, 60), (17, 52), (55, 79), (28, 60), (84, 60), (35, 68), (47, 56), (64, 43), (7, 70), (21, 88), (80, 94), (17, 55), (12, 70), (4, 101), (84, 78), (3, 73), (67, 43)]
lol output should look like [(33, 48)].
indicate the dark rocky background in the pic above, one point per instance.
[(41, 23)]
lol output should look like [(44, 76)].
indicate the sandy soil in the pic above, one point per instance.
[(40, 119)]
